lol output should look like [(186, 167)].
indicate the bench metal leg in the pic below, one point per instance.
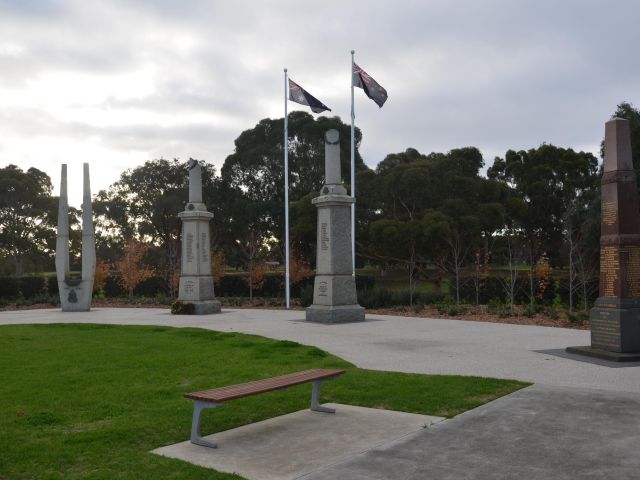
[(196, 439), (315, 399)]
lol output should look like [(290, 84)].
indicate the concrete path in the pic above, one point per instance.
[(403, 344), (581, 419), (300, 443), (538, 433)]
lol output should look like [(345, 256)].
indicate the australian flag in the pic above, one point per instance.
[(372, 89), (300, 95)]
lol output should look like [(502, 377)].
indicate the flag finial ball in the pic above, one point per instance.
[(285, 70), (352, 52)]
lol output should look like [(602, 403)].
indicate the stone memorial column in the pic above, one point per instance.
[(334, 293), (196, 281), (615, 319)]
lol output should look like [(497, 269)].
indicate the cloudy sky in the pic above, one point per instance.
[(116, 83)]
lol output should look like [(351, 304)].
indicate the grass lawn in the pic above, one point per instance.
[(90, 401)]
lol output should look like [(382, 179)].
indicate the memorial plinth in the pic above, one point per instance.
[(334, 294), (75, 293), (615, 318), (196, 281)]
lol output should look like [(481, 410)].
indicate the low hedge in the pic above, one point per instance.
[(25, 287)]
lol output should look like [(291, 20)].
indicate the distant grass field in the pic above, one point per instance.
[(91, 401)]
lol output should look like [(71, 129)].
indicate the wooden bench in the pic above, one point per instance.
[(216, 396)]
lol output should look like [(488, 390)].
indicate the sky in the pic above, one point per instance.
[(116, 83)]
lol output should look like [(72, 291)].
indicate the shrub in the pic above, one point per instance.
[(272, 286), (45, 298), (298, 287), (551, 313), (233, 286), (383, 298), (182, 308), (52, 285), (492, 288), (444, 305), (429, 298), (365, 282), (9, 287), (306, 296), (529, 311), (577, 318), (455, 310), (162, 299), (151, 287), (112, 287), (494, 306)]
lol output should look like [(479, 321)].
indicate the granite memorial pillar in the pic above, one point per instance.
[(196, 281), (615, 318), (75, 294), (334, 293)]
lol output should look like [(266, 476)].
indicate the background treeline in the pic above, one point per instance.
[(430, 227)]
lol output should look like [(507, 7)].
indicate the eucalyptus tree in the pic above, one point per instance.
[(256, 167), (554, 185), (28, 214), (144, 204)]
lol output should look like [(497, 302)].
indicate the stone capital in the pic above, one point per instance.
[(617, 145), (329, 200)]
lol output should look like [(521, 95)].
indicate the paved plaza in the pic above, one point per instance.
[(580, 419)]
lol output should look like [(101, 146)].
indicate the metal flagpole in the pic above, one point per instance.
[(286, 192), (353, 177)]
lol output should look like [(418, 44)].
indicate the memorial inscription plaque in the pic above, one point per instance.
[(324, 237)]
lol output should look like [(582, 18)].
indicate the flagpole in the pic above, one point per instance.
[(353, 177), (286, 194)]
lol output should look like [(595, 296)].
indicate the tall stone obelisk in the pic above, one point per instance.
[(615, 319), (196, 282), (75, 294), (334, 294)]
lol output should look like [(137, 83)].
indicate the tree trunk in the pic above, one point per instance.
[(571, 274), (250, 279), (412, 273), (531, 277), (512, 275), (457, 273), (18, 265)]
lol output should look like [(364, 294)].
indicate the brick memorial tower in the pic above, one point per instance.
[(615, 319)]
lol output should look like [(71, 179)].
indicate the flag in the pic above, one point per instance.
[(300, 95), (372, 89)]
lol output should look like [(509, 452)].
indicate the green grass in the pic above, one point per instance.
[(91, 401)]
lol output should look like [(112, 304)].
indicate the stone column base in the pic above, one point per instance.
[(334, 314), (615, 325), (206, 307), (75, 295)]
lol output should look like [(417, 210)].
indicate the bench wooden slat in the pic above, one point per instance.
[(222, 394)]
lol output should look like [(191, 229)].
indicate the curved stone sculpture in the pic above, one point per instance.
[(75, 294)]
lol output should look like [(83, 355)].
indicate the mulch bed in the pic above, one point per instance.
[(475, 313), (479, 314)]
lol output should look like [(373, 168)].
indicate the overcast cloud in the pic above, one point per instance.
[(121, 82)]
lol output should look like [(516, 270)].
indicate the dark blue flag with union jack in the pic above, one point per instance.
[(372, 89), (300, 95)]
